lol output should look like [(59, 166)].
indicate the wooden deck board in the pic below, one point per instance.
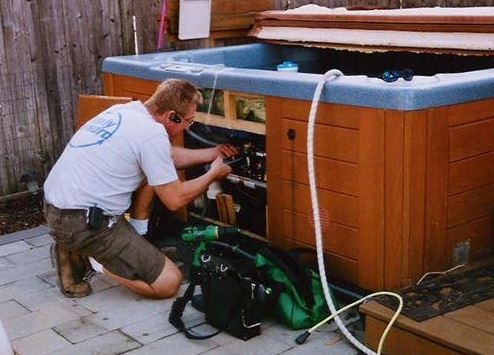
[(474, 317), (468, 330), (487, 305)]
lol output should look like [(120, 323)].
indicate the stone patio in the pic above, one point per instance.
[(39, 320)]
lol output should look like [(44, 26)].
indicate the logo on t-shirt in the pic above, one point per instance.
[(97, 130)]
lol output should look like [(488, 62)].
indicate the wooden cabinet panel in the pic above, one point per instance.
[(89, 106), (435, 253), (468, 140), (469, 112), (139, 89), (479, 231), (471, 173), (333, 175), (327, 114), (337, 267), (340, 208), (329, 141), (414, 198), (471, 205), (371, 201), (337, 238)]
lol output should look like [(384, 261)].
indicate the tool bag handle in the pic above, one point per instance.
[(177, 312)]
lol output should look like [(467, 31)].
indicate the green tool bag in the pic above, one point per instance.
[(297, 290)]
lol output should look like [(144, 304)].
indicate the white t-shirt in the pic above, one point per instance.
[(108, 158)]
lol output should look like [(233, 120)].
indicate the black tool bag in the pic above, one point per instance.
[(232, 295)]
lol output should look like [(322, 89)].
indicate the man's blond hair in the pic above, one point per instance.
[(174, 95)]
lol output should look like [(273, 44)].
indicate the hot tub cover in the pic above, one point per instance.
[(442, 30)]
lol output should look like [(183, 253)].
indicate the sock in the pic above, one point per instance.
[(140, 225), (95, 265)]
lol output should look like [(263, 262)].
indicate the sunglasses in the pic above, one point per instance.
[(390, 76), (178, 119)]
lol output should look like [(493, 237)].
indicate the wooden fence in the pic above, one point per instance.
[(51, 50)]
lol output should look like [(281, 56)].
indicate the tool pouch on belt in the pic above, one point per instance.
[(232, 296)]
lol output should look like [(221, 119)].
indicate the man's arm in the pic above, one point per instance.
[(183, 157), (178, 194)]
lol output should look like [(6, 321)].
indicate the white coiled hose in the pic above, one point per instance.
[(333, 74)]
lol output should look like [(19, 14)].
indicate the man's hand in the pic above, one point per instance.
[(226, 150), (219, 169)]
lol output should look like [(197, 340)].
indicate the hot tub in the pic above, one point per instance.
[(405, 169)]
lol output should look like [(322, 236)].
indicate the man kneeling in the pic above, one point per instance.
[(120, 151)]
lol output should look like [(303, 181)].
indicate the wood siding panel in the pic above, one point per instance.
[(478, 231), (371, 200), (337, 238), (435, 253), (327, 114), (395, 238), (340, 208), (470, 112), (471, 173), (415, 172), (89, 106), (468, 140), (337, 267), (329, 141), (330, 174), (470, 205), (135, 88)]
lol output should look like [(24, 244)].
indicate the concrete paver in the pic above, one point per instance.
[(22, 271), (158, 327), (39, 241), (13, 248), (79, 330), (12, 309), (176, 344), (20, 288), (38, 319), (35, 322), (31, 344), (31, 255), (109, 343)]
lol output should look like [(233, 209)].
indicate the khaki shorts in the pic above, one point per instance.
[(119, 248)]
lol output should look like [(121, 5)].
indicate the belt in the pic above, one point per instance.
[(111, 220), (65, 211)]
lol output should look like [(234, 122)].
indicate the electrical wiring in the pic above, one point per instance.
[(333, 74), (439, 272), (201, 138)]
